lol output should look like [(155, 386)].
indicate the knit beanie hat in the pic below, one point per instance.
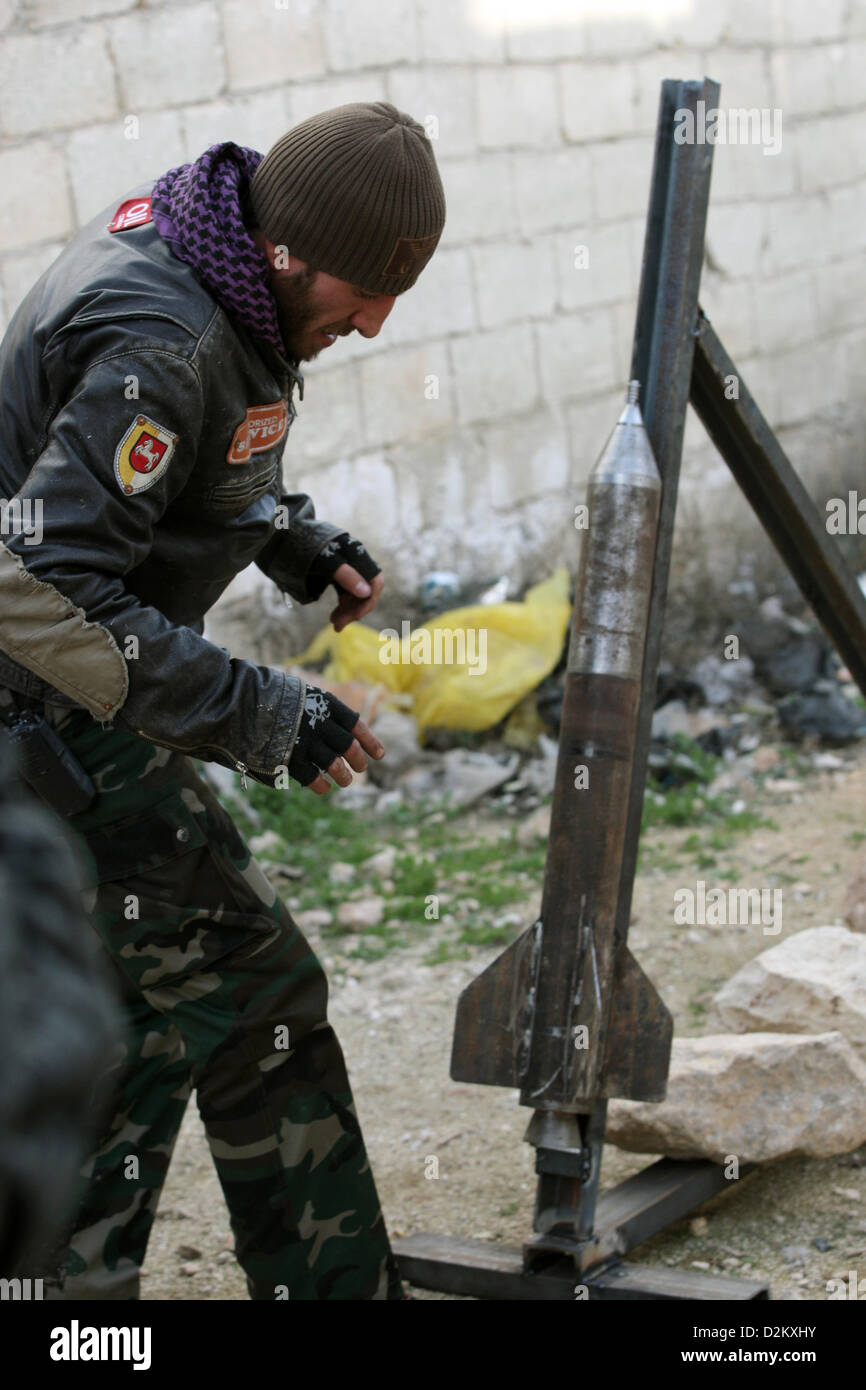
[(354, 192)]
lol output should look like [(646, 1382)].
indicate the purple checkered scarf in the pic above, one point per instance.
[(197, 210)]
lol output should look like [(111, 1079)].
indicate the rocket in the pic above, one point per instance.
[(566, 1014)]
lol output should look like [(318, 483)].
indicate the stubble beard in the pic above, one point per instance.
[(296, 312)]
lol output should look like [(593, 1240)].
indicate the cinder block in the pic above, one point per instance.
[(406, 393), (41, 209), (839, 306), (440, 481), (328, 426), (517, 107), (802, 79), (558, 31), (515, 280), (452, 31), (845, 220), (528, 458), (598, 264), (305, 99), (810, 380), (794, 234), (36, 93), (43, 14), (19, 273), (441, 302), (479, 195), (369, 36), (847, 63), (730, 304), (494, 373), (598, 100), (785, 312), (749, 25), (169, 55), (577, 356), (620, 35), (734, 238), (744, 172), (620, 178), (273, 45), (805, 22), (104, 165), (443, 100), (553, 190), (256, 121), (360, 493), (829, 151)]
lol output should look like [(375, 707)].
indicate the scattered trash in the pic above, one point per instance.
[(827, 713)]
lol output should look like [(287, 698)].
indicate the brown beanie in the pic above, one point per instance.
[(354, 192)]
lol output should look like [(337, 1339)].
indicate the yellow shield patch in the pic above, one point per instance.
[(143, 454)]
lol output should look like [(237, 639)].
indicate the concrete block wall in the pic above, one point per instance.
[(463, 434)]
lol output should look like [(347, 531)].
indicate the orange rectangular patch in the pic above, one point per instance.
[(262, 428)]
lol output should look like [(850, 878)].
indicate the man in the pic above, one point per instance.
[(146, 391)]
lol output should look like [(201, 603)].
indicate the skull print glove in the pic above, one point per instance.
[(323, 736), (342, 550)]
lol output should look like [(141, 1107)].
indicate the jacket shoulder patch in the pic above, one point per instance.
[(143, 454), (134, 212), (262, 428)]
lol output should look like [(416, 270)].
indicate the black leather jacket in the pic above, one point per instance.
[(141, 438)]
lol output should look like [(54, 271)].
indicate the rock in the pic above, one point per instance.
[(188, 1252), (339, 872), (535, 827), (399, 733), (314, 919), (190, 1270), (269, 845), (813, 982), (362, 913), (468, 776), (827, 713), (723, 681), (854, 906), (540, 773), (382, 864), (672, 718), (765, 758), (757, 1096)]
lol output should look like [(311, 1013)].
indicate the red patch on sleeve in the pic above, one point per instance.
[(133, 213)]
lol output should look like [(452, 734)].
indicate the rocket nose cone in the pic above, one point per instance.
[(627, 456)]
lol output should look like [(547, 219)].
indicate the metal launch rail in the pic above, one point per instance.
[(570, 977)]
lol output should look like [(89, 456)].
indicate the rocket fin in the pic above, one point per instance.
[(639, 1033), (494, 1016)]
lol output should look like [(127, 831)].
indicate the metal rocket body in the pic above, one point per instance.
[(558, 1014)]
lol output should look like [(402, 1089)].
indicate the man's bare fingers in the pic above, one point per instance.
[(339, 772), (368, 740), (319, 785), (354, 756)]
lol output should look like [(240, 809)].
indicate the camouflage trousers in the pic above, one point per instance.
[(224, 996)]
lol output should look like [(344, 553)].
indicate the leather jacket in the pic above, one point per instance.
[(141, 438)]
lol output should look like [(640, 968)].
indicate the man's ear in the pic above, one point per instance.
[(278, 256)]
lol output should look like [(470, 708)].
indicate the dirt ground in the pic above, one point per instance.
[(395, 1018)]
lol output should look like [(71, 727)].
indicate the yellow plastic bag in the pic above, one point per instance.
[(464, 669)]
